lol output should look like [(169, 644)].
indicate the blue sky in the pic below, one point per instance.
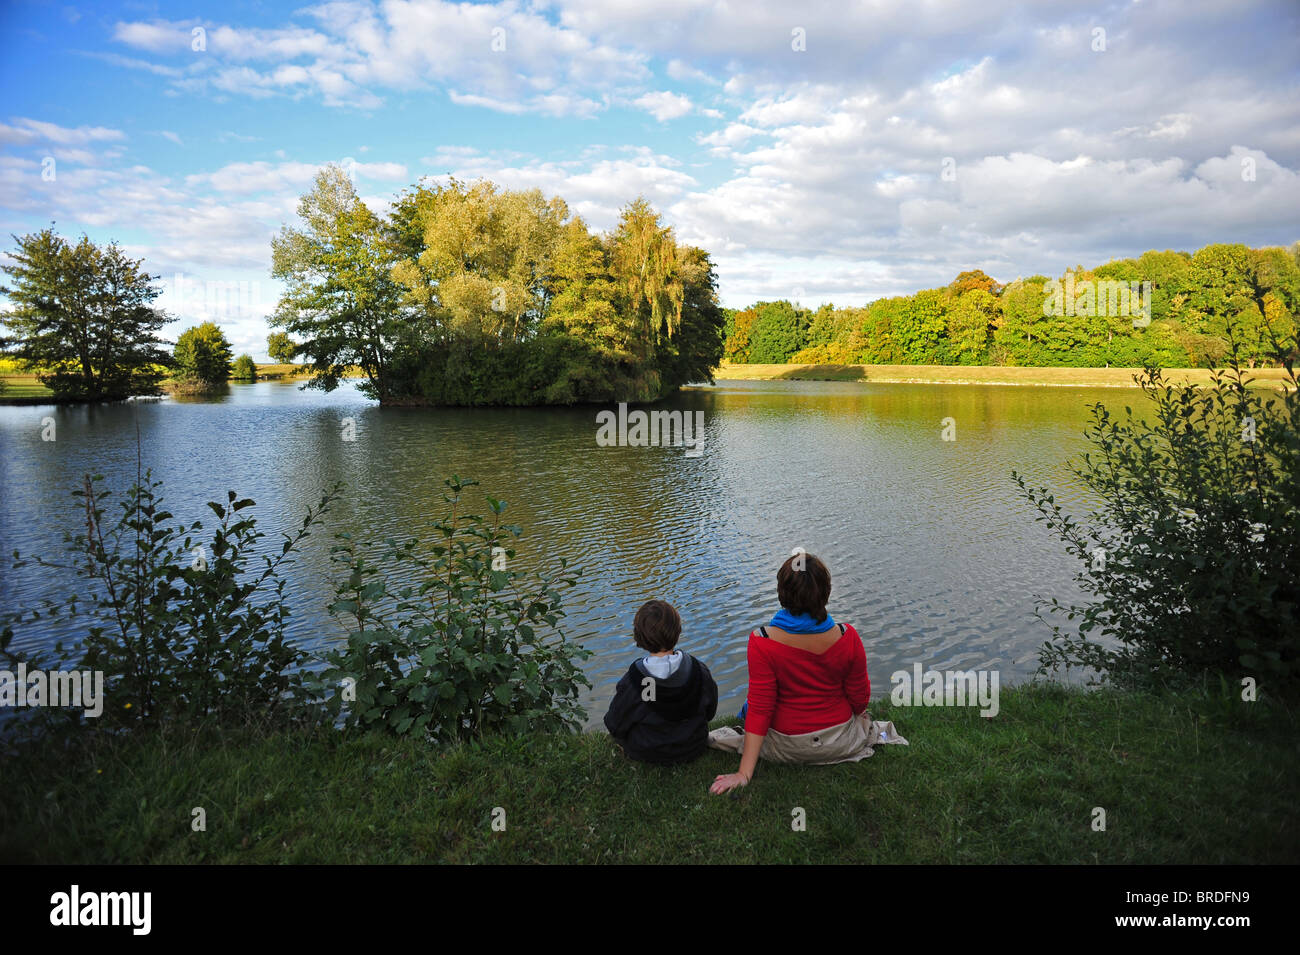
[(803, 144)]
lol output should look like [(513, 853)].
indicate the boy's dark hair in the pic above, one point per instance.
[(657, 626), (806, 590)]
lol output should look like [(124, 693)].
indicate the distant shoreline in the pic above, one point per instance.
[(25, 390), (1273, 378)]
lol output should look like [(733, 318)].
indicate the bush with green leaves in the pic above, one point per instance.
[(1192, 559), (469, 647), (182, 622), (244, 369)]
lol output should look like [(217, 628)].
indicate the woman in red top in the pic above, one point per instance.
[(808, 684)]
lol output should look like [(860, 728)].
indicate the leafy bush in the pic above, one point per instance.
[(1193, 558), (470, 648), (244, 369), (175, 623)]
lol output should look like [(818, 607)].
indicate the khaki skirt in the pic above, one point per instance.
[(854, 739)]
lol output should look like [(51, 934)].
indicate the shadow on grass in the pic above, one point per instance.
[(825, 373)]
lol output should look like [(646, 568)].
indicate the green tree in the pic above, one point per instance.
[(477, 261), (780, 329), (919, 328), (647, 264), (1018, 336), (970, 320), (83, 316), (280, 347), (1223, 296), (340, 299), (244, 369), (697, 346), (203, 355)]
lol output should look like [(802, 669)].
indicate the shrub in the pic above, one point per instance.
[(1193, 557), (470, 648), (175, 623), (244, 369)]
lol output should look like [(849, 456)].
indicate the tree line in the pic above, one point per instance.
[(458, 294), (466, 294), (1165, 309)]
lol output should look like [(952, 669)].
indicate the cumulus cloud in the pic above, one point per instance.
[(500, 56), (664, 105)]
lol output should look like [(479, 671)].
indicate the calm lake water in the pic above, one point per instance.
[(934, 556)]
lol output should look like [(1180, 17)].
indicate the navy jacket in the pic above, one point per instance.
[(673, 727)]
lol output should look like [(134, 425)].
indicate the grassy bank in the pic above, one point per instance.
[(1193, 780), (22, 389), (281, 371), (976, 375)]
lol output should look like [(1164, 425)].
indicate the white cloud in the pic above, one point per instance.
[(664, 105), (357, 50), (26, 131)]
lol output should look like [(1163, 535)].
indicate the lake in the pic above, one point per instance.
[(935, 557)]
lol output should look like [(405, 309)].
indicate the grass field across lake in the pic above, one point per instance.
[(977, 375), (22, 386)]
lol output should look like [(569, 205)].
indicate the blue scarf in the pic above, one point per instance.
[(800, 623)]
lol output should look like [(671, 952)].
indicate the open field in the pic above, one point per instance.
[(976, 375), (281, 371), (22, 386)]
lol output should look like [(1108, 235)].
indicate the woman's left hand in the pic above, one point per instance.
[(726, 782)]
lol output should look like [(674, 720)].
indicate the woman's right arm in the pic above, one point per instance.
[(748, 763), (758, 718)]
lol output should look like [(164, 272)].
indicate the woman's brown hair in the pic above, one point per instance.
[(803, 585)]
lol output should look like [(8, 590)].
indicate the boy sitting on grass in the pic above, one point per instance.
[(662, 706)]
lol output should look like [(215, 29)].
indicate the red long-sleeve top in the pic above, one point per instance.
[(797, 691)]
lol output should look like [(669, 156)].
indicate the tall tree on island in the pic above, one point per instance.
[(340, 300), (84, 317)]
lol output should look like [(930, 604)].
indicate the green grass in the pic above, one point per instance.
[(22, 386), (272, 371), (977, 374), (1190, 780)]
